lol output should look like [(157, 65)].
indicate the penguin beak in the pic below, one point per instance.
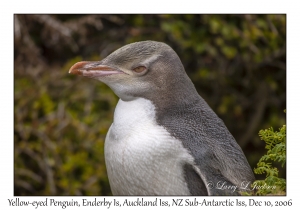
[(93, 69)]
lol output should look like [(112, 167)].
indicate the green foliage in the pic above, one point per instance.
[(276, 146), (59, 134)]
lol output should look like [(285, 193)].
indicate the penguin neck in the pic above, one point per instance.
[(179, 95)]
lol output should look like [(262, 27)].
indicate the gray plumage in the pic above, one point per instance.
[(180, 111)]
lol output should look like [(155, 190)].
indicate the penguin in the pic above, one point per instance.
[(164, 139)]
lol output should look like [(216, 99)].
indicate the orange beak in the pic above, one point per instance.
[(93, 69)]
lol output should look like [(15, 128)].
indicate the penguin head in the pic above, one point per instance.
[(136, 70)]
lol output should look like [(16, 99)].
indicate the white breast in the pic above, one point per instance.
[(141, 157)]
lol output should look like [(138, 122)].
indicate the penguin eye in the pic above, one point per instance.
[(139, 69)]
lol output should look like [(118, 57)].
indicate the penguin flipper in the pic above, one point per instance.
[(194, 181), (213, 182)]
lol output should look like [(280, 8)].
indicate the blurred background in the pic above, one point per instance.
[(237, 63)]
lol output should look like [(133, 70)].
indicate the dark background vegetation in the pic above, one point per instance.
[(237, 63)]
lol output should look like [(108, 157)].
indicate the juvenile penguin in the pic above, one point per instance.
[(164, 139)]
